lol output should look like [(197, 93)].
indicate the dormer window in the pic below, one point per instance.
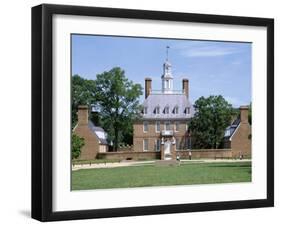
[(187, 110), (157, 110), (145, 110), (176, 110), (166, 110)]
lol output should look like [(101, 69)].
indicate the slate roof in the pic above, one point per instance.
[(100, 133), (167, 100), (231, 129)]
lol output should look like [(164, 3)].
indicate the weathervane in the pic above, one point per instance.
[(167, 52)]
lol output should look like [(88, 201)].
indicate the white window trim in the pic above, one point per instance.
[(167, 110), (165, 126), (177, 130), (145, 131), (143, 146), (145, 110), (157, 131), (156, 145), (186, 127), (176, 110), (157, 110)]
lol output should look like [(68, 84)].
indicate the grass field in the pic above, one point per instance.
[(151, 175)]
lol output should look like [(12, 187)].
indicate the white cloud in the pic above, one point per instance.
[(209, 49)]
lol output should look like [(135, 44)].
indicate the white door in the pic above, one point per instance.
[(167, 151)]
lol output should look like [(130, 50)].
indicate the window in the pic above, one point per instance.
[(145, 110), (177, 126), (167, 84), (157, 110), (145, 144), (167, 125), (145, 126), (157, 127), (157, 145), (166, 110), (176, 110), (177, 143), (187, 110)]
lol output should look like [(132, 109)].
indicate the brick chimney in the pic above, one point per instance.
[(185, 87), (244, 114), (83, 114), (147, 87)]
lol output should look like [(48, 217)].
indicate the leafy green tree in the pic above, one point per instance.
[(117, 98), (76, 144), (212, 116), (83, 93)]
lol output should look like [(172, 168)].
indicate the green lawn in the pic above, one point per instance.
[(151, 175)]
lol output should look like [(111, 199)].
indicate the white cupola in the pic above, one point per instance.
[(167, 77)]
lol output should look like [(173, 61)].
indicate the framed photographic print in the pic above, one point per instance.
[(146, 112)]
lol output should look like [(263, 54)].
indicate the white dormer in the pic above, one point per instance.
[(157, 110), (176, 110), (145, 110), (166, 110), (187, 110)]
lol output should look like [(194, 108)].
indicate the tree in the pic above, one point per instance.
[(76, 144), (212, 116), (83, 93), (117, 98)]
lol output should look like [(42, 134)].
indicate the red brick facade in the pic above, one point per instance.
[(240, 141), (149, 135), (92, 146)]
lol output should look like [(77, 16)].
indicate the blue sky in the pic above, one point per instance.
[(212, 68)]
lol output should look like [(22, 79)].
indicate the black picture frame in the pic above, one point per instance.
[(42, 111)]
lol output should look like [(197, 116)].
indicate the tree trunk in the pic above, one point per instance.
[(116, 135)]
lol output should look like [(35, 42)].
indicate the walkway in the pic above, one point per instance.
[(141, 163)]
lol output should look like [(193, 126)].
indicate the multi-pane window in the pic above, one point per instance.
[(145, 144), (176, 110), (187, 110), (145, 110), (157, 110), (145, 126), (166, 110), (157, 145), (167, 125), (157, 126), (177, 126)]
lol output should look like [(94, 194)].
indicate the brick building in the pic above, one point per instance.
[(237, 136), (164, 122), (162, 132), (94, 137)]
